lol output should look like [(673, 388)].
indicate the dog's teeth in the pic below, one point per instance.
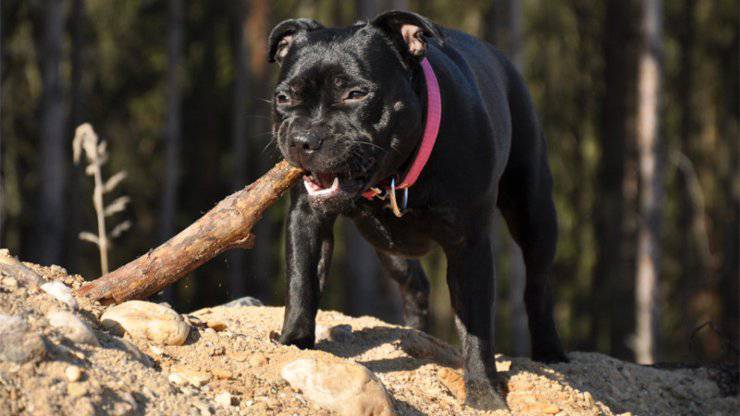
[(315, 189)]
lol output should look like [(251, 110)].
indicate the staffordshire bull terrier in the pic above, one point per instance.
[(442, 127)]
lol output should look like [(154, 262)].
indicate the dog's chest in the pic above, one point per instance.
[(411, 235)]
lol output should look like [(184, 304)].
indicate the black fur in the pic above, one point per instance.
[(490, 153)]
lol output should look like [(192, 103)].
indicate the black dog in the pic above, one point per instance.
[(350, 108)]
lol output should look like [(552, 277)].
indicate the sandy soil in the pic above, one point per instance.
[(235, 348)]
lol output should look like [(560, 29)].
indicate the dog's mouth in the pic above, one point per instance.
[(325, 185)]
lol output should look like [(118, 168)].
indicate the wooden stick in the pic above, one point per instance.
[(228, 225)]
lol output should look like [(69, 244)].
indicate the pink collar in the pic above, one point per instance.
[(431, 129)]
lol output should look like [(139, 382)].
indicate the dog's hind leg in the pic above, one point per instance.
[(414, 287), (526, 202)]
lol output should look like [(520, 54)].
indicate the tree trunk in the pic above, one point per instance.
[(264, 261), (49, 232), (367, 9), (610, 297), (237, 265), (172, 131), (651, 189), (2, 178), (228, 225), (689, 216), (77, 202)]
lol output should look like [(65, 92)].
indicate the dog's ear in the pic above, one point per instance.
[(409, 31), (283, 34)]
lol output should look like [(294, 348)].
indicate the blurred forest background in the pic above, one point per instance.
[(639, 100)]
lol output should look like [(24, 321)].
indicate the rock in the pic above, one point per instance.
[(222, 374), (9, 283), (340, 386), (18, 343), (257, 360), (156, 350), (60, 292), (185, 375), (245, 301), (72, 327), (177, 379), (454, 383), (147, 320), (217, 350), (76, 389), (216, 325), (73, 373), (225, 399), (550, 409)]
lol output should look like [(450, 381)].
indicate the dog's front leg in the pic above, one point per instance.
[(308, 252), (470, 277)]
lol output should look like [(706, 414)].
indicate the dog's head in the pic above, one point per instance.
[(345, 108)]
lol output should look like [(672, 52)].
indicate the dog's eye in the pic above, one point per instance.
[(282, 98), (355, 95)]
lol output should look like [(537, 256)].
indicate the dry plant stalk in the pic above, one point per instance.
[(97, 155), (228, 225)]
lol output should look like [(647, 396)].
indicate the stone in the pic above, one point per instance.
[(550, 409), (9, 283), (72, 327), (192, 377), (60, 292), (18, 343), (454, 383), (216, 325), (341, 386), (156, 350), (147, 320), (225, 399), (222, 374), (73, 373), (76, 389), (257, 360), (177, 379), (245, 301)]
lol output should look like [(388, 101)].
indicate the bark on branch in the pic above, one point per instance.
[(228, 225)]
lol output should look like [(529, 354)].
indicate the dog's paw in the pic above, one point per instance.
[(304, 342), (484, 395)]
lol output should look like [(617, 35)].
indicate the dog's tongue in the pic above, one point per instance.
[(324, 179)]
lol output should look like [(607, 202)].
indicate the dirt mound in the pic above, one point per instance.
[(230, 364)]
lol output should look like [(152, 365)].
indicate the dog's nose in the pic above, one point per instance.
[(307, 142)]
